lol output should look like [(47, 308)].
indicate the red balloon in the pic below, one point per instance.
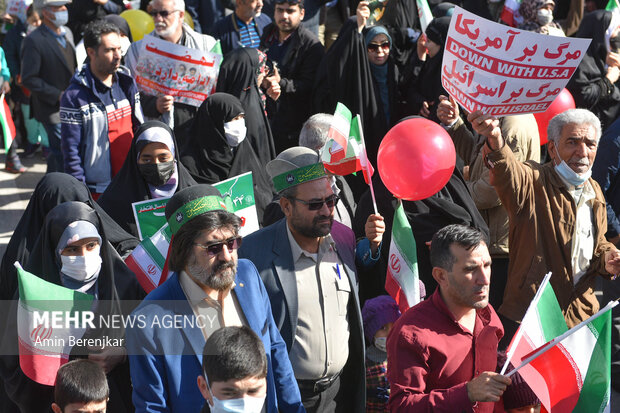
[(416, 159), (563, 102)]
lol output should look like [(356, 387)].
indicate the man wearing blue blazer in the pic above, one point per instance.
[(208, 289), (307, 263)]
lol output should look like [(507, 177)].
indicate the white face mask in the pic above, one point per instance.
[(381, 343), (31, 28), (125, 43), (569, 175), (82, 268), (235, 132), (246, 404), (61, 18), (544, 17)]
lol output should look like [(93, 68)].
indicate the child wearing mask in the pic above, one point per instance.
[(379, 314)]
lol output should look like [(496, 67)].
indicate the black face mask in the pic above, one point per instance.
[(156, 174), (614, 43)]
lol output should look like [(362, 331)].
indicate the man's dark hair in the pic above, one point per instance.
[(300, 3), (461, 235), (183, 241), (95, 30), (233, 353), (80, 381)]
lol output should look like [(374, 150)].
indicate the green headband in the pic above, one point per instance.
[(298, 176), (194, 208)]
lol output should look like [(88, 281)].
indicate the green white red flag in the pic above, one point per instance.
[(402, 280), (345, 151), (148, 259), (424, 14), (8, 127), (568, 370), (44, 347)]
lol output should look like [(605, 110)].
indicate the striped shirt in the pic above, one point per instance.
[(248, 33)]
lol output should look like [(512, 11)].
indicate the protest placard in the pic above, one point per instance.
[(150, 215), (18, 8), (166, 68), (502, 70)]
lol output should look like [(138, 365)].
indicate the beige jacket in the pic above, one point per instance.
[(521, 134), (542, 221)]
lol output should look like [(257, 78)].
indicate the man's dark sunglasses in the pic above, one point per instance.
[(215, 248), (330, 201), (162, 13), (375, 47)]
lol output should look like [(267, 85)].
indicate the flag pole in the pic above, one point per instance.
[(544, 348), (519, 335), (367, 169)]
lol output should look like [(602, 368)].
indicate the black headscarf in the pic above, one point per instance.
[(121, 23), (345, 76), (115, 282), (424, 80), (593, 26), (209, 158), (237, 77), (129, 186), (53, 189)]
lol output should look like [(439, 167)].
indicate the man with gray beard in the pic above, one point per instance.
[(209, 288)]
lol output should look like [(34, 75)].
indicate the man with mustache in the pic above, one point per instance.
[(307, 262), (557, 217), (442, 353), (208, 289), (168, 16)]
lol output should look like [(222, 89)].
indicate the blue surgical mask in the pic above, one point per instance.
[(61, 18), (246, 404), (570, 176), (381, 343)]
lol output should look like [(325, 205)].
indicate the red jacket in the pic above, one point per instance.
[(431, 358)]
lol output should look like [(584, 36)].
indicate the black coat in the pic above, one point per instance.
[(297, 71)]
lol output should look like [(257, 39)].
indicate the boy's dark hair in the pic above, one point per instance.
[(80, 381), (183, 241), (234, 353), (461, 235), (95, 30)]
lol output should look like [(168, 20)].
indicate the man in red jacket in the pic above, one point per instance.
[(442, 353)]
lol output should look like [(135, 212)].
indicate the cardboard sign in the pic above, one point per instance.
[(166, 68), (505, 71)]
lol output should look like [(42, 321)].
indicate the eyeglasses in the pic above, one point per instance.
[(163, 13), (374, 47), (215, 248), (330, 201)]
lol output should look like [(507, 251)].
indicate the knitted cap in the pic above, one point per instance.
[(191, 202), (295, 166), (518, 394), (376, 313)]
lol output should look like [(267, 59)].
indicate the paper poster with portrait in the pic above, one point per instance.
[(166, 68)]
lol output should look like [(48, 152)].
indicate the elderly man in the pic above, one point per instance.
[(48, 63), (168, 17), (208, 289), (243, 27), (442, 353), (306, 261), (557, 216)]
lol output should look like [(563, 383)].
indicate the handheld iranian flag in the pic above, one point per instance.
[(424, 13), (613, 5), (402, 280), (44, 339), (148, 259), (8, 127), (345, 151), (510, 13), (573, 371)]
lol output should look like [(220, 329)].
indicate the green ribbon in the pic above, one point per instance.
[(194, 208), (298, 176)]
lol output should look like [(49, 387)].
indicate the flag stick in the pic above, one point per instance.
[(543, 349), (531, 307), (367, 169)]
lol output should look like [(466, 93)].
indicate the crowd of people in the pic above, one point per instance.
[(298, 315)]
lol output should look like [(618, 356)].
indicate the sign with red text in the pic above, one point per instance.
[(501, 70), (166, 68)]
